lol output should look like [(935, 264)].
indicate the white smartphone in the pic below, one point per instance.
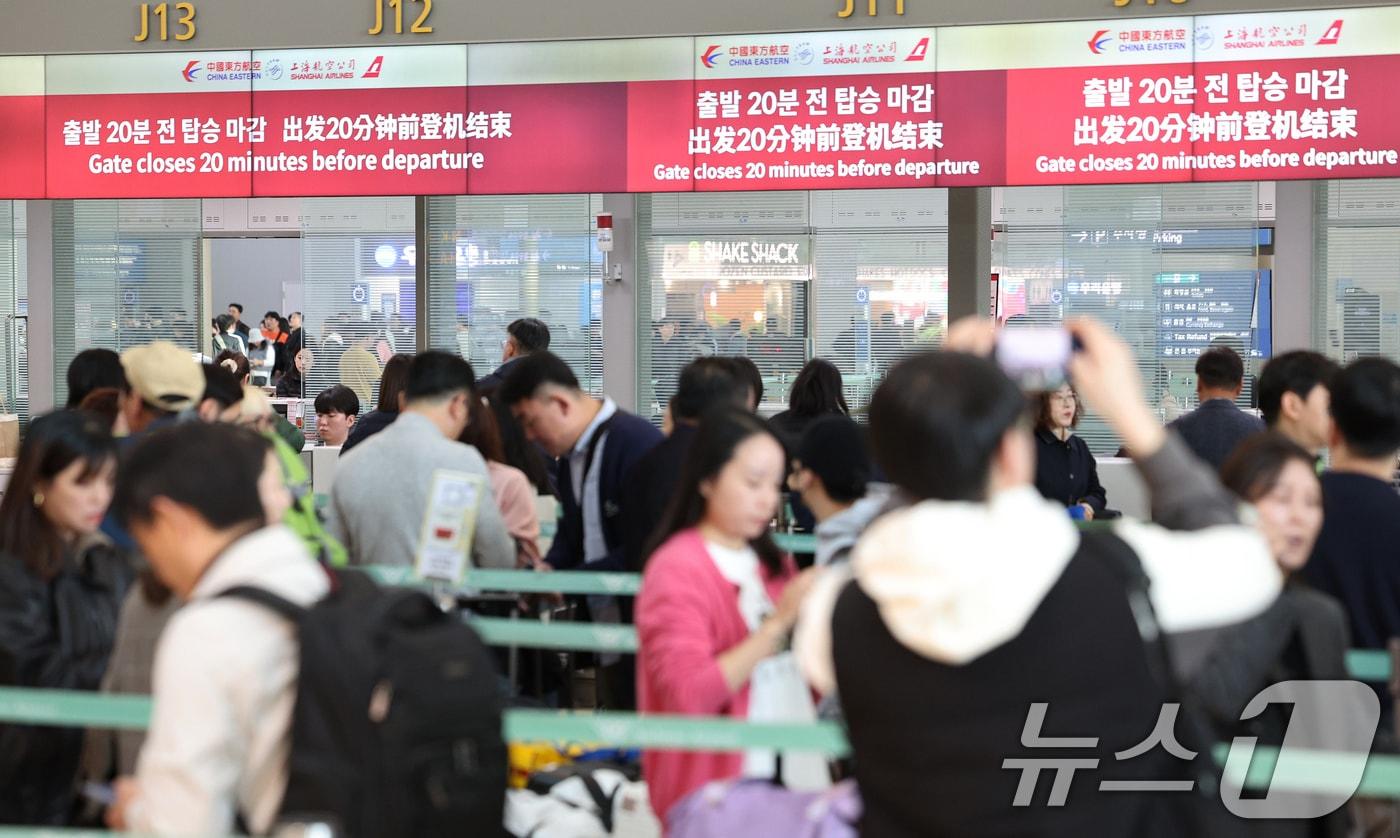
[(1036, 358), (99, 793)]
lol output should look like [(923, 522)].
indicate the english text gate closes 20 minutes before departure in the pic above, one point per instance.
[(1205, 98)]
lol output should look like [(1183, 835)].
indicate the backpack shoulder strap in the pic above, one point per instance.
[(289, 610), (1137, 586)]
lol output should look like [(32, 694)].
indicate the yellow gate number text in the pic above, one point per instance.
[(162, 13)]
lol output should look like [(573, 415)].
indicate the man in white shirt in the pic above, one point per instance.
[(225, 671)]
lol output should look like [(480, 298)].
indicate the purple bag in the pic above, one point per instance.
[(738, 808)]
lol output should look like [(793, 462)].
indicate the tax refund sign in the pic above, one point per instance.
[(1165, 99)]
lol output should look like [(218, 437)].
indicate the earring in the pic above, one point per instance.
[(38, 499)]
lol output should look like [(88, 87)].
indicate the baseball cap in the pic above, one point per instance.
[(164, 376), (834, 449)]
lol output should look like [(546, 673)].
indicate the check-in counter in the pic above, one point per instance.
[(323, 462), (1126, 491)]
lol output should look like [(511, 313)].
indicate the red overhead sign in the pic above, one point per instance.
[(21, 127), (1231, 97)]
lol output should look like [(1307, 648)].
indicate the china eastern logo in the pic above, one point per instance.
[(191, 70), (712, 55), (1098, 43)]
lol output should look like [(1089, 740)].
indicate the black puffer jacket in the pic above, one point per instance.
[(55, 634)]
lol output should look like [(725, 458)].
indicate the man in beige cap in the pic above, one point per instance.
[(162, 380)]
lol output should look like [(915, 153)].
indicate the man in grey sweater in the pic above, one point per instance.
[(380, 498)]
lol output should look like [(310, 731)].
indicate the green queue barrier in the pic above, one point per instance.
[(563, 581), (522, 581), (1302, 771), (1370, 665), (795, 542), (569, 637), (68, 708)]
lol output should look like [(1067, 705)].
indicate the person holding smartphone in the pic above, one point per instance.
[(1065, 469)]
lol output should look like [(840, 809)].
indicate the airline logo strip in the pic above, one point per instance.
[(367, 121), (1056, 129), (156, 124), (1297, 95), (815, 110)]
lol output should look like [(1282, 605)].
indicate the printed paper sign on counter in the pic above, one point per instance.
[(449, 526)]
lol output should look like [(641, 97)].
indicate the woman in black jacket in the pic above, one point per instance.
[(1065, 470), (1303, 636), (816, 392), (61, 589), (292, 385)]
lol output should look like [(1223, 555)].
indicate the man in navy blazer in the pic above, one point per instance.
[(1214, 429), (595, 441), (523, 336)]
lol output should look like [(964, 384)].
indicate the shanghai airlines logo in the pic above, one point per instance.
[(190, 70), (375, 67), (1332, 36), (1096, 43), (711, 55), (920, 51)]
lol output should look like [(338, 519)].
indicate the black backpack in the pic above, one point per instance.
[(396, 729)]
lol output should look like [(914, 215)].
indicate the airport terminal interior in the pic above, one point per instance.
[(828, 419)]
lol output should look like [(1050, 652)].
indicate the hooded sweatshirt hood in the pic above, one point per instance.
[(952, 581), (955, 580)]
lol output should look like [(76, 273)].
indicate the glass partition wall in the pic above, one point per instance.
[(358, 293), (125, 273), (14, 311), (858, 277), (1356, 285), (497, 258), (1174, 269)]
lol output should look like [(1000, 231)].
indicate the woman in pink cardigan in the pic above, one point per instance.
[(511, 489), (715, 573)]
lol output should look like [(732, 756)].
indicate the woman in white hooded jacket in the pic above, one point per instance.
[(977, 629)]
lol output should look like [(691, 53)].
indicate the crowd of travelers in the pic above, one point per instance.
[(956, 584)]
